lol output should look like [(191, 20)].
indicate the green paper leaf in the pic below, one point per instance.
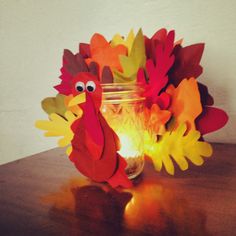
[(131, 64)]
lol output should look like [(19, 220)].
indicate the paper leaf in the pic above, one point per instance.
[(211, 119), (128, 42), (156, 77), (187, 63), (163, 100), (72, 65), (75, 109), (94, 68), (54, 105), (179, 147), (130, 64), (155, 118), (151, 43), (84, 50), (104, 54), (58, 126), (69, 150), (185, 103), (59, 105), (206, 98), (107, 76)]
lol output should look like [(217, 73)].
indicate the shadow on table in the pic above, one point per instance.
[(149, 208)]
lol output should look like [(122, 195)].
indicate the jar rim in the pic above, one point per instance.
[(128, 100), (124, 85), (115, 93)]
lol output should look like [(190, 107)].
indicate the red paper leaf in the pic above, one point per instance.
[(84, 50), (157, 72), (163, 100), (107, 76), (211, 119), (150, 44), (72, 65), (94, 68), (186, 63), (206, 98)]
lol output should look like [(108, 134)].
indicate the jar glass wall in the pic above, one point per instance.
[(122, 107)]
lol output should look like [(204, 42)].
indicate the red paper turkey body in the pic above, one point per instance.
[(95, 144)]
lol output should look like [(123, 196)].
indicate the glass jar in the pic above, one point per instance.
[(122, 106)]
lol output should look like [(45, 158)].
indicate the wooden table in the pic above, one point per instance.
[(44, 195)]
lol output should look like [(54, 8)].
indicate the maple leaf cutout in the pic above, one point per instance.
[(130, 64), (179, 147), (57, 126), (150, 43), (104, 54), (155, 118), (187, 63), (128, 43), (59, 105), (71, 65), (157, 70), (185, 103), (211, 119), (54, 105)]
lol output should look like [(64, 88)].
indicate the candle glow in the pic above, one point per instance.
[(127, 146)]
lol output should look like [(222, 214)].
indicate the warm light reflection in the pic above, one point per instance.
[(126, 119), (128, 148), (145, 204), (159, 209), (129, 205), (151, 206)]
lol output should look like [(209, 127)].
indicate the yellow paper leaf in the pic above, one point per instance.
[(58, 126), (75, 109), (128, 42), (69, 150), (177, 146), (131, 63), (54, 105), (59, 105)]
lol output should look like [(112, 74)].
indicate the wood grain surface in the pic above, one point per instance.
[(45, 195)]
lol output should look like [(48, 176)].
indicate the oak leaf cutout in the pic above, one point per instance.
[(179, 147)]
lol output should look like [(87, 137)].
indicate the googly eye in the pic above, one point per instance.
[(79, 86), (90, 86)]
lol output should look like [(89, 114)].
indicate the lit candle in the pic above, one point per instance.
[(127, 147), (123, 109)]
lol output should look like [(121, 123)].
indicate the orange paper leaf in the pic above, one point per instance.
[(155, 118), (185, 103), (104, 54)]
